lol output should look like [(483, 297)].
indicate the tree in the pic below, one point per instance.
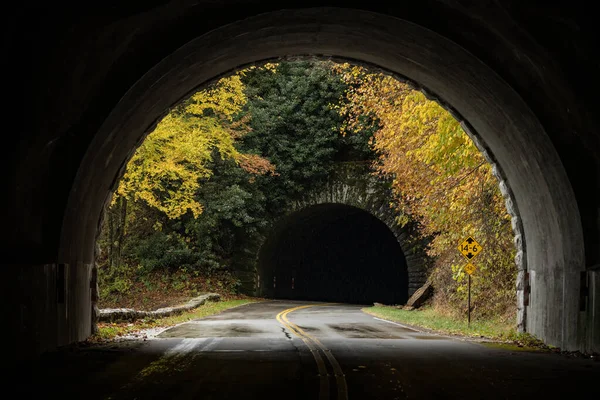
[(290, 112), (167, 168), (441, 179), (295, 125), (165, 173)]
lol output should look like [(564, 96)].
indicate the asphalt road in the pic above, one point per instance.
[(300, 350)]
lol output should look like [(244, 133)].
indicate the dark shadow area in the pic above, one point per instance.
[(333, 252)]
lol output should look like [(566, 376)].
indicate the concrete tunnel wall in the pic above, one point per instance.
[(104, 79), (333, 252)]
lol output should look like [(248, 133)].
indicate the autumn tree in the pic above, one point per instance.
[(166, 171), (167, 167), (440, 179)]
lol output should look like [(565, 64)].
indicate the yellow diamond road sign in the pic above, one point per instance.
[(470, 268), (469, 248)]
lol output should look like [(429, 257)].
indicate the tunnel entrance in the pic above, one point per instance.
[(64, 184), (333, 252)]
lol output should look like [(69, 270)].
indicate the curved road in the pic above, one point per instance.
[(303, 350)]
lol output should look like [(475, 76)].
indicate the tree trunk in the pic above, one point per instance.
[(121, 215), (111, 238)]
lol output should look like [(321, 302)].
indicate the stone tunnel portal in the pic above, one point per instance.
[(333, 252)]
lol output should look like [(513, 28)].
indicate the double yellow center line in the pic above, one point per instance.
[(314, 345)]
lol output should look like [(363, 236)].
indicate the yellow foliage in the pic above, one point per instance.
[(436, 167), (167, 168), (440, 177)]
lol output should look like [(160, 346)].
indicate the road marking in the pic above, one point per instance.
[(395, 323), (311, 341), (324, 382), (339, 374), (413, 329)]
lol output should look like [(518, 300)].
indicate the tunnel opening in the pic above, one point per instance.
[(330, 268), (333, 252)]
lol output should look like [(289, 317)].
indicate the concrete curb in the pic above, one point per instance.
[(129, 314)]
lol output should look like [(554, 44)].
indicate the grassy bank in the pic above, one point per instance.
[(129, 288), (111, 330), (433, 320)]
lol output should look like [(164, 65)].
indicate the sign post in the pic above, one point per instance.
[(469, 248), (469, 304), (469, 269)]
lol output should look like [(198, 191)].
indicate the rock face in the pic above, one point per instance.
[(129, 314), (419, 297)]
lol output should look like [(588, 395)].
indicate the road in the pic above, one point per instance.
[(302, 350)]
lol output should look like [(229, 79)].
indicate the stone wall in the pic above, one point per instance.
[(353, 184), (129, 314)]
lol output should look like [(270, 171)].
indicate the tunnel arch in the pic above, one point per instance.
[(354, 184), (333, 252), (540, 196)]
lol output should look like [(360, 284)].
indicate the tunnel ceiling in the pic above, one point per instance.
[(86, 59)]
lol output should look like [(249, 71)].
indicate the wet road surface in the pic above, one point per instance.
[(301, 350)]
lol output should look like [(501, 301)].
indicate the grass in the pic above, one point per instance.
[(432, 319), (111, 330)]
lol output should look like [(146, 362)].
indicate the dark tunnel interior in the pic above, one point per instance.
[(333, 252)]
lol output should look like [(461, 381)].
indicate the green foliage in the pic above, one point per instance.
[(166, 251), (296, 126), (235, 155), (115, 281), (525, 339)]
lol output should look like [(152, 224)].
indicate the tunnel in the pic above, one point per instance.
[(520, 77), (333, 252)]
